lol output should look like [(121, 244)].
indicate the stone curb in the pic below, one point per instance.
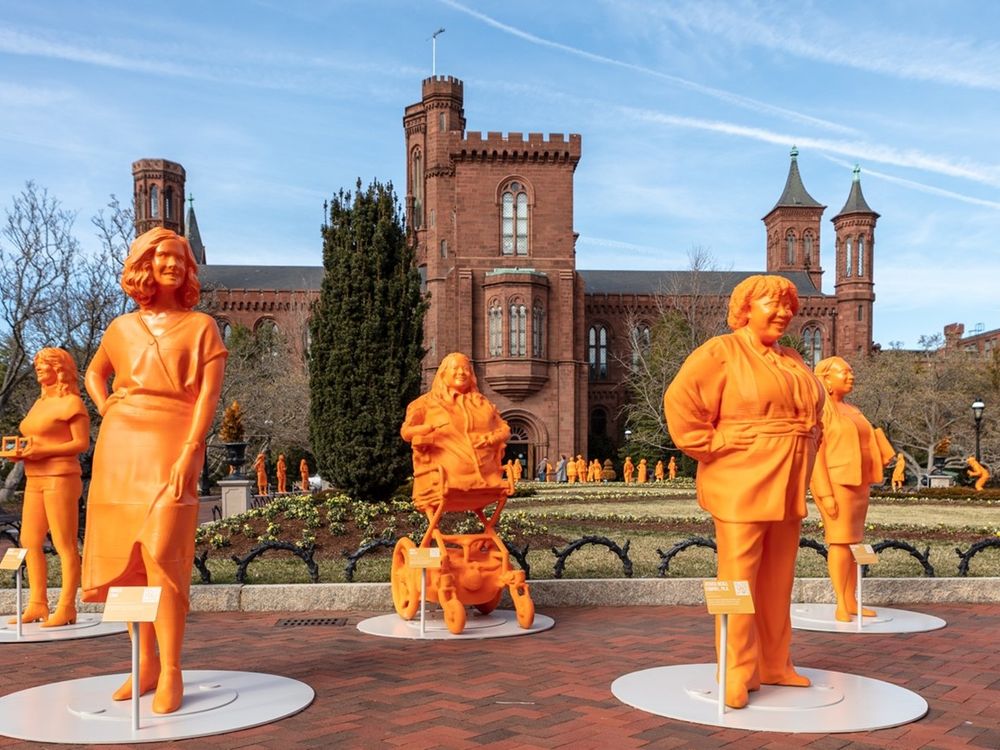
[(586, 592)]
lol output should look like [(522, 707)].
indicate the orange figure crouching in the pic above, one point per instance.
[(978, 472), (748, 410), (142, 510), (458, 440)]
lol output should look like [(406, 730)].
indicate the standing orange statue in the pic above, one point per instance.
[(281, 468), (142, 510), (458, 441), (550, 471), (672, 469), (581, 469), (748, 410), (571, 470), (658, 471), (899, 473), (850, 459), (304, 474), (628, 469), (643, 471), (58, 429), (978, 471), (518, 471), (260, 464)]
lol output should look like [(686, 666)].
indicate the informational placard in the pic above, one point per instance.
[(864, 554), (132, 604), (728, 597), (13, 558), (424, 557)]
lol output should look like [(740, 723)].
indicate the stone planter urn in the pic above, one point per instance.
[(236, 458)]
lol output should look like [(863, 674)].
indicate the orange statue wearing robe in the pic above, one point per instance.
[(304, 474), (658, 471), (851, 456), (260, 465), (571, 470), (142, 510), (643, 471), (979, 471), (59, 429), (748, 410), (581, 469), (518, 471), (672, 469), (628, 469), (282, 471), (899, 473)]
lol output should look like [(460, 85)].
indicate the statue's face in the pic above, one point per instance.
[(769, 317), (458, 375), (45, 373), (169, 264), (839, 380)]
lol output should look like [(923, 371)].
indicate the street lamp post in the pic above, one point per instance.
[(977, 414)]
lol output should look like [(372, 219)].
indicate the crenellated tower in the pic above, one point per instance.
[(792, 228), (159, 195), (855, 285)]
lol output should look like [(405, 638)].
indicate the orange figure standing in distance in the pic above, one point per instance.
[(978, 471), (518, 471), (672, 469), (59, 429), (628, 469), (571, 470), (304, 474), (281, 468), (850, 459), (581, 469), (643, 471), (658, 471), (260, 464), (168, 362), (899, 473), (748, 410)]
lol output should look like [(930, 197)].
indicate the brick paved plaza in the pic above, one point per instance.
[(549, 690)]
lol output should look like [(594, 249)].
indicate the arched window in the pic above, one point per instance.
[(495, 328), (849, 258), (168, 203), (225, 330), (418, 189), (537, 329), (597, 351), (807, 240), (518, 329), (154, 202), (444, 248), (598, 421), (861, 255), (514, 220), (812, 343), (790, 247), (640, 344)]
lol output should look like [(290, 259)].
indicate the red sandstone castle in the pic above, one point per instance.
[(492, 216)]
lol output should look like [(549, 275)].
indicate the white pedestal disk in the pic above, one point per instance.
[(836, 702), (215, 702), (500, 623), (887, 620), (86, 626)]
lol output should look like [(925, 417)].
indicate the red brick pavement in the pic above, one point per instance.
[(550, 690)]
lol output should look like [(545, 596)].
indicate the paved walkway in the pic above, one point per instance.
[(550, 690)]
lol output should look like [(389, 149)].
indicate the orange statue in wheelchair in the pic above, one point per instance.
[(458, 441)]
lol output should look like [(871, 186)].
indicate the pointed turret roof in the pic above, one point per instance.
[(856, 203), (795, 193), (193, 235)]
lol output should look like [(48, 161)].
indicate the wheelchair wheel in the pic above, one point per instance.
[(405, 595), (487, 607), (523, 606)]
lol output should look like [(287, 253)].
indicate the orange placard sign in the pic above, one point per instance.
[(728, 598), (864, 554), (132, 604), (13, 558), (429, 557)]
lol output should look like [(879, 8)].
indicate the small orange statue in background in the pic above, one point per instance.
[(260, 464), (142, 510), (550, 471), (571, 470), (899, 473), (643, 471), (672, 469), (658, 472), (628, 470), (304, 474), (851, 457), (281, 469), (458, 441), (518, 470), (978, 471), (581, 469), (748, 410), (57, 428)]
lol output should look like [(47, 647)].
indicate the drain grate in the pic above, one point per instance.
[(298, 622)]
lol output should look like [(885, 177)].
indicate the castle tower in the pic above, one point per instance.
[(194, 235), (792, 228), (159, 195), (855, 286)]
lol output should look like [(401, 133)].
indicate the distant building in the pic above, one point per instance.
[(979, 340), (492, 216)]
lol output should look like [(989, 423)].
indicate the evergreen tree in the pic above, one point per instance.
[(364, 359)]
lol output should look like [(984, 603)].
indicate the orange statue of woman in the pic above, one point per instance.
[(304, 474), (899, 473), (260, 465), (643, 471), (672, 469), (582, 469), (571, 470), (168, 362), (658, 471), (281, 469), (518, 470), (628, 470), (748, 410), (850, 459), (977, 471), (58, 427)]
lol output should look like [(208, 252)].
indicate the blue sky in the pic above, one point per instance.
[(687, 110)]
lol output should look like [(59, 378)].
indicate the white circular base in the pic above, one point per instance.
[(886, 620), (500, 623), (215, 702), (836, 702), (86, 626)]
